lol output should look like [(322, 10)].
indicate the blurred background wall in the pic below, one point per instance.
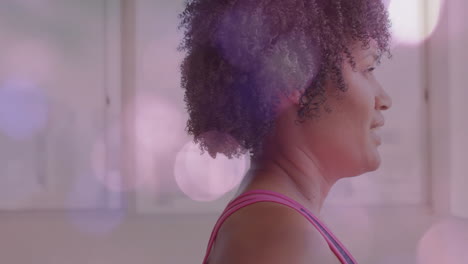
[(95, 165)]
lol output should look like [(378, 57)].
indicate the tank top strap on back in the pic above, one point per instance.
[(256, 196)]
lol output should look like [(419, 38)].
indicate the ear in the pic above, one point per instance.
[(295, 96)]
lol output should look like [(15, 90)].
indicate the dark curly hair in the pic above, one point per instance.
[(241, 55)]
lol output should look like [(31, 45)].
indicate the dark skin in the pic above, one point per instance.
[(242, 55), (304, 161), (255, 68)]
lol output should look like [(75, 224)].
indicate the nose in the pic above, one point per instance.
[(382, 101)]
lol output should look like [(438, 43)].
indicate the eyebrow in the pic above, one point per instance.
[(374, 55)]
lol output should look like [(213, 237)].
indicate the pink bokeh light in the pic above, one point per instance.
[(413, 21), (203, 178), (159, 134), (159, 124), (34, 59), (445, 242)]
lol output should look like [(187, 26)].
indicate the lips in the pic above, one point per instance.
[(378, 124), (375, 126)]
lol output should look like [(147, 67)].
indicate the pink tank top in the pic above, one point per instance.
[(256, 196)]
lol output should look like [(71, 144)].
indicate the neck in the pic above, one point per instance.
[(292, 172)]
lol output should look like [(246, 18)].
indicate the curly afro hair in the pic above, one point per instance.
[(242, 55)]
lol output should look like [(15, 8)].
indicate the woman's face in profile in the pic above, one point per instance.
[(346, 139)]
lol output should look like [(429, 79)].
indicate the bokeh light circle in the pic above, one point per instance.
[(203, 178), (413, 21), (445, 242), (159, 134), (35, 59), (23, 109), (159, 124)]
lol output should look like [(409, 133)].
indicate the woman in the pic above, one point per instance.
[(290, 82)]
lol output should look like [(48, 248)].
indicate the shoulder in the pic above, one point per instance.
[(269, 233)]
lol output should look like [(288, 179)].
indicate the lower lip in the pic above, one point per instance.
[(376, 137)]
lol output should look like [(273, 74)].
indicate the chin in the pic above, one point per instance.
[(374, 164), (370, 166), (374, 168), (363, 165)]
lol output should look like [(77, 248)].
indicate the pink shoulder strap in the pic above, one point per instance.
[(256, 196)]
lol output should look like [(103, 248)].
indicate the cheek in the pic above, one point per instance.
[(361, 103), (355, 114), (352, 121), (352, 112)]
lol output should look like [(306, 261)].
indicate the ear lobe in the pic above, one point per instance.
[(295, 96)]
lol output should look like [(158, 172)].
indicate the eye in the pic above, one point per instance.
[(371, 69)]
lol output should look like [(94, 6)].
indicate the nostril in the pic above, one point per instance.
[(383, 103)]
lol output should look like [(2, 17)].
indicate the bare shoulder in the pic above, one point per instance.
[(269, 233)]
